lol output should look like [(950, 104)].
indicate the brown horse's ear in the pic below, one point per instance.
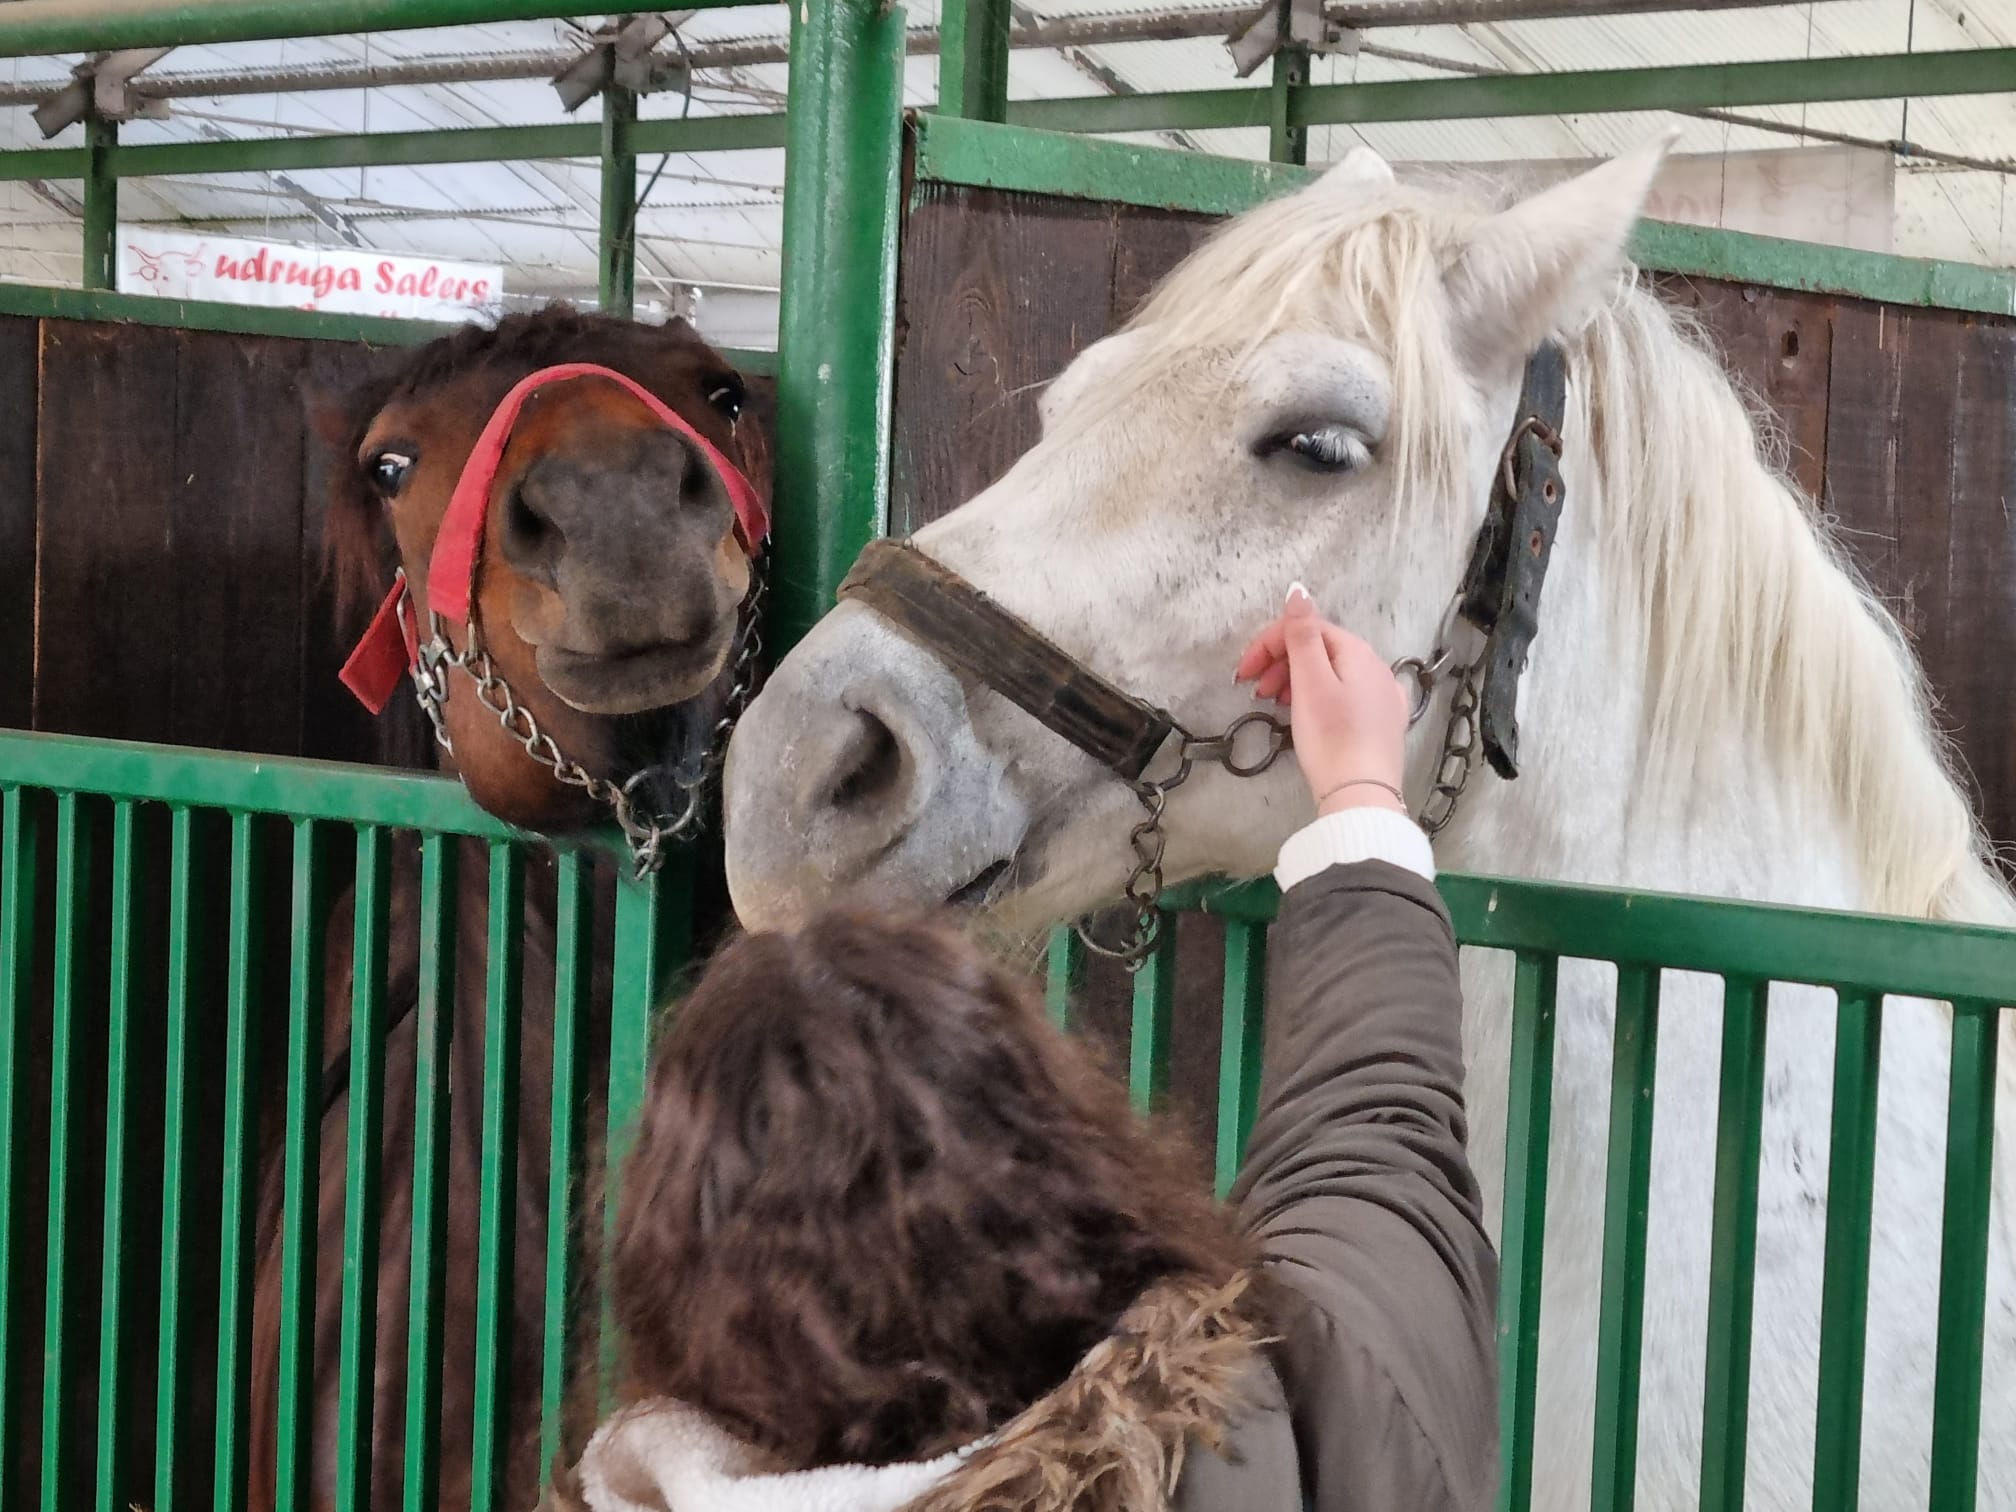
[(357, 550), (757, 426)]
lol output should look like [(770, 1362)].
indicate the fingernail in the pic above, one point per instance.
[(1296, 590)]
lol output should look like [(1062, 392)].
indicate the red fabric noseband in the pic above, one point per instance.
[(391, 644)]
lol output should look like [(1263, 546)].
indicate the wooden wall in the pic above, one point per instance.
[(160, 541)]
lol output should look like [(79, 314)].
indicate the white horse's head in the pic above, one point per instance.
[(1322, 392)]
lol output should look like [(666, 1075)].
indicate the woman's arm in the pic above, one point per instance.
[(1356, 1187)]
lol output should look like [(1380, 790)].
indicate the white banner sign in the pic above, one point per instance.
[(341, 280)]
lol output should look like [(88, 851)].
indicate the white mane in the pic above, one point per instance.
[(1746, 611)]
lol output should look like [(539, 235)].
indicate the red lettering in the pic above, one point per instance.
[(350, 279), (480, 290), (428, 280), (382, 282)]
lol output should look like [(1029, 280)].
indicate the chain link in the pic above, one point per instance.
[(1149, 840), (1459, 756), (647, 831)]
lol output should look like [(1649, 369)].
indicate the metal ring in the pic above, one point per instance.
[(1278, 739), (1422, 675)]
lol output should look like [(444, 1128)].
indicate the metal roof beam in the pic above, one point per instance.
[(32, 27), (1051, 34)]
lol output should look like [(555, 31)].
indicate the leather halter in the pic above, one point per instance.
[(1500, 597), (391, 645)]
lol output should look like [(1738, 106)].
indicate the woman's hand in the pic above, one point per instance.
[(1348, 711)]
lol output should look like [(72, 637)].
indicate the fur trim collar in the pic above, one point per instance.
[(1111, 1438)]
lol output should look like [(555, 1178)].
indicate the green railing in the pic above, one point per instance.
[(73, 785), (249, 853)]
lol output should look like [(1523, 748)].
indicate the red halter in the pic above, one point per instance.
[(391, 645)]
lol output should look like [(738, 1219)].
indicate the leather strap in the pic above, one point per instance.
[(966, 629), (1501, 589)]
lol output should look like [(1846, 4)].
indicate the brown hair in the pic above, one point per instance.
[(878, 1205)]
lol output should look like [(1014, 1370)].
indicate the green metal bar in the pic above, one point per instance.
[(112, 1288), (1844, 1285), (841, 186), (39, 302), (264, 784), (433, 1025), (188, 913), (1866, 952), (32, 27), (617, 245), (1243, 1029), (392, 149), (573, 959), (1528, 1130), (1063, 968), (1287, 140), (240, 1194), (1626, 1205), (984, 155), (363, 1119), (300, 1159), (18, 826), (73, 926), (1963, 1258), (1154, 1014), (973, 58), (1732, 1265), (497, 1218), (101, 202), (1697, 86), (654, 941)]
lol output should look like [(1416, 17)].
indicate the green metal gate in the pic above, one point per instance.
[(63, 788)]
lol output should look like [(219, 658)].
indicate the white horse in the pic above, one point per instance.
[(1714, 705)]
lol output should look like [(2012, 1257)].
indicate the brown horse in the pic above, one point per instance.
[(611, 574)]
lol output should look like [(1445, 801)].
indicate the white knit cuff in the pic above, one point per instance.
[(1354, 834)]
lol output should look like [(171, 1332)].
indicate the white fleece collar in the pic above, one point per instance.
[(684, 1462)]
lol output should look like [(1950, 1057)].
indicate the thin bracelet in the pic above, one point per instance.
[(1363, 782)]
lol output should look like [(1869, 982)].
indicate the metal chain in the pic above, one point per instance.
[(1459, 756), (646, 831), (1149, 840)]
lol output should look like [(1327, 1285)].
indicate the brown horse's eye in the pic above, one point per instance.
[(388, 471), (727, 394)]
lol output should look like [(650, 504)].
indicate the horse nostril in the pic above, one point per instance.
[(532, 542), (871, 767)]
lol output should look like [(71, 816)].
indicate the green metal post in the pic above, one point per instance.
[(101, 201), (618, 247), (836, 327), (1287, 142), (973, 59)]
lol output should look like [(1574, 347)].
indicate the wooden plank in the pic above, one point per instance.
[(235, 524), (999, 291), (1979, 611), (106, 473), (1860, 486), (18, 341), (1148, 244), (1925, 509)]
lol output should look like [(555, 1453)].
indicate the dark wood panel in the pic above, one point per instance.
[(1977, 672), (1003, 290), (1148, 244), (18, 361), (1865, 383), (106, 651), (235, 514)]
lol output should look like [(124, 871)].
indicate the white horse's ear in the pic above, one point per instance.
[(1550, 261), (1359, 171)]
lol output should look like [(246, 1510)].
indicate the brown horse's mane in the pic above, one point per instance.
[(358, 552)]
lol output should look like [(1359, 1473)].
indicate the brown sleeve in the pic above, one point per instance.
[(1359, 1195)]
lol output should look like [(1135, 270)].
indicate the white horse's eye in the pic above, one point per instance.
[(1324, 448)]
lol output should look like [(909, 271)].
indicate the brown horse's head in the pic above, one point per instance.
[(609, 571)]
